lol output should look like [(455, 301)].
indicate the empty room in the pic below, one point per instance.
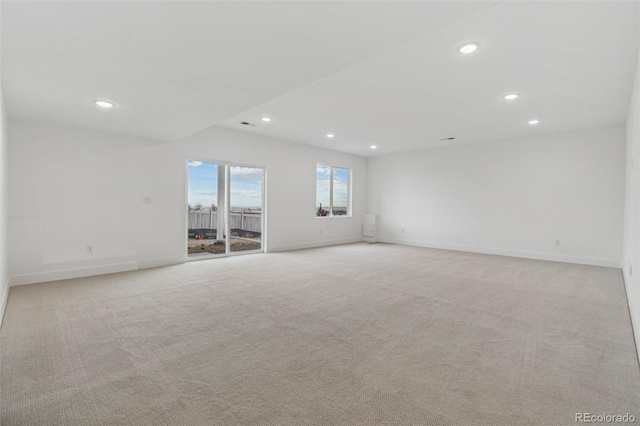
[(319, 213)]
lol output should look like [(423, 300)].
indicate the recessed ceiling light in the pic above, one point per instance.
[(511, 96), (469, 48), (104, 104), (330, 135), (534, 122), (266, 119), (373, 146)]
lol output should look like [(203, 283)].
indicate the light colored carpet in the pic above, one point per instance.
[(349, 335)]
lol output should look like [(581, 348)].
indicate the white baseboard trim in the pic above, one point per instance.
[(633, 313), (158, 262), (88, 271), (3, 301), (611, 263), (313, 244), (40, 277)]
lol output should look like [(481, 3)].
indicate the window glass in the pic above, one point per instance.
[(340, 191)]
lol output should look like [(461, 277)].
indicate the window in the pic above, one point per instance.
[(332, 191)]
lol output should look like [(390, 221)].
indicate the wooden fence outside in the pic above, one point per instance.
[(238, 220)]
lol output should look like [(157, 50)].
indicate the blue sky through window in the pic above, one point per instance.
[(202, 183), (340, 187), (323, 180), (246, 185)]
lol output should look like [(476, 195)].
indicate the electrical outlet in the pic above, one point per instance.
[(320, 232), (557, 242), (89, 249), (402, 231), (146, 200)]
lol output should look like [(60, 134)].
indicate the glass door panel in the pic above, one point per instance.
[(205, 202), (245, 208)]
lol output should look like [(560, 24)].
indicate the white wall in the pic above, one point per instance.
[(631, 256), (71, 187), (4, 207), (512, 197)]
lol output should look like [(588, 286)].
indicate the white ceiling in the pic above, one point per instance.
[(383, 73)]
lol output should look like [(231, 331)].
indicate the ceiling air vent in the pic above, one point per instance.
[(448, 139), (246, 123)]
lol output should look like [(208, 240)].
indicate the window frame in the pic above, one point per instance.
[(331, 192)]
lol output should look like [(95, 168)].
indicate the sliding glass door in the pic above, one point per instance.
[(225, 208)]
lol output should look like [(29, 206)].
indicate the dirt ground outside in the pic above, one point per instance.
[(218, 247)]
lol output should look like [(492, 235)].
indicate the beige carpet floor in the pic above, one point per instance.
[(360, 334)]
